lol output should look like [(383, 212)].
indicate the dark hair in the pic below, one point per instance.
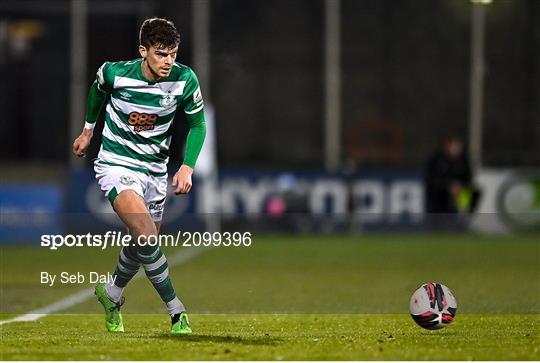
[(159, 33)]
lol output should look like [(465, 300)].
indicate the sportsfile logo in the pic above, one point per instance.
[(122, 239), (142, 121)]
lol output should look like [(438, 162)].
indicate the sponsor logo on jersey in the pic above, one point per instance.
[(142, 121), (156, 209), (197, 95), (125, 95), (167, 100)]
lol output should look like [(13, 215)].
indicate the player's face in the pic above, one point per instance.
[(159, 60)]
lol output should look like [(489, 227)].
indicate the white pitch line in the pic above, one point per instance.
[(176, 259)]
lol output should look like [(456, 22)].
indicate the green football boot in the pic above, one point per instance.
[(113, 318), (180, 324)]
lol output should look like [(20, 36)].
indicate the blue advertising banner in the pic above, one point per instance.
[(28, 211), (277, 201)]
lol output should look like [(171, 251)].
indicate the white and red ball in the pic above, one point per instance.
[(433, 306)]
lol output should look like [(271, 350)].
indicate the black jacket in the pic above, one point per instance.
[(440, 173)]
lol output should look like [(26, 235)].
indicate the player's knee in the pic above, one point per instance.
[(127, 199), (131, 209), (144, 233)]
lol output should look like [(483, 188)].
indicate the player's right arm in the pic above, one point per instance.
[(97, 96)]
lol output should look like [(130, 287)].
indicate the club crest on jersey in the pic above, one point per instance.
[(127, 180), (167, 100)]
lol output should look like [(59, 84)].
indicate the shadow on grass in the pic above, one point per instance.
[(194, 338), (437, 334)]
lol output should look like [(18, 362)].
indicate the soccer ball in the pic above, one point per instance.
[(433, 306)]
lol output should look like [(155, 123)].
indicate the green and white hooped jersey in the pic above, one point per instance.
[(139, 114)]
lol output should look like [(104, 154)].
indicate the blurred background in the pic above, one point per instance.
[(323, 115)]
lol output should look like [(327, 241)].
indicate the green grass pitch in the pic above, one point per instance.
[(291, 298)]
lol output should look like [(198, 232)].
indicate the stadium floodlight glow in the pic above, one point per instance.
[(484, 2)]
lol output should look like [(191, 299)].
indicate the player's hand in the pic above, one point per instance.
[(82, 142), (182, 180)]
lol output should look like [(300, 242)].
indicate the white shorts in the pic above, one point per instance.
[(115, 179)]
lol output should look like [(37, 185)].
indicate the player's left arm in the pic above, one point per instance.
[(193, 108)]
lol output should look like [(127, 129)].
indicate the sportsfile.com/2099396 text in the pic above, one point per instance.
[(120, 239)]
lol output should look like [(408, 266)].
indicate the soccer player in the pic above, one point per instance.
[(142, 97)]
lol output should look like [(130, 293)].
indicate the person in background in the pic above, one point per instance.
[(448, 181)]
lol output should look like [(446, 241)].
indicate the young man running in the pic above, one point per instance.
[(143, 96)]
